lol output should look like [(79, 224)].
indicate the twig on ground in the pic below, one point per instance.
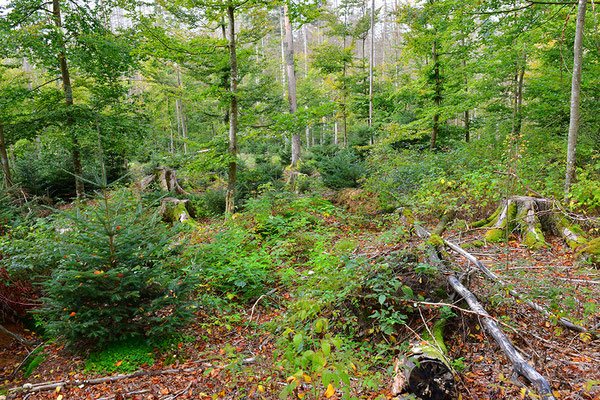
[(40, 387), (14, 373), (270, 292)]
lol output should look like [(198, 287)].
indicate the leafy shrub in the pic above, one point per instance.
[(234, 263), (117, 277), (343, 170)]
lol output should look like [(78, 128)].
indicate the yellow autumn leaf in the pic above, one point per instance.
[(330, 391), (261, 388), (59, 397), (353, 366), (307, 378), (291, 379), (118, 363)]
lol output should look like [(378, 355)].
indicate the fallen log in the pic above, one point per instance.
[(424, 371), (520, 366), (44, 386), (567, 323)]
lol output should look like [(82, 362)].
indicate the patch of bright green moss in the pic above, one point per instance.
[(535, 240), (435, 240), (495, 235)]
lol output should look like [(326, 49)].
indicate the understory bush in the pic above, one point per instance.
[(119, 276), (342, 170)]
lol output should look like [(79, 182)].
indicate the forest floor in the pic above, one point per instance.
[(232, 356)]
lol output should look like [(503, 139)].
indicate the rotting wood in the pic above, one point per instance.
[(520, 366), (176, 210), (567, 323), (166, 178), (496, 279), (425, 371), (531, 216), (448, 217)]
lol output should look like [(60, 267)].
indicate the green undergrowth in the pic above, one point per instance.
[(123, 356)]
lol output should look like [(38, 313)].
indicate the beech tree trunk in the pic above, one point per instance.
[(575, 96), (371, 61), (180, 113), (68, 93), (4, 159), (437, 97), (233, 114), (291, 82)]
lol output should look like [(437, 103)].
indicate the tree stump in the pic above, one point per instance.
[(165, 178), (175, 210), (424, 373), (531, 216)]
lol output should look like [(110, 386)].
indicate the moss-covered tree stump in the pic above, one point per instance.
[(175, 210), (531, 217)]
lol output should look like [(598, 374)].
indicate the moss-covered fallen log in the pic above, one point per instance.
[(424, 371)]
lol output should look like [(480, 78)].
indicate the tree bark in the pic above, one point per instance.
[(466, 113), (233, 114), (437, 96), (4, 159), (371, 60), (181, 114), (291, 82), (575, 96), (68, 93)]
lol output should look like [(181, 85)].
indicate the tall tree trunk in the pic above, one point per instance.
[(181, 114), (466, 113), (437, 96), (519, 100), (305, 52), (575, 96), (291, 79), (371, 61), (68, 93), (233, 114), (282, 35), (4, 159)]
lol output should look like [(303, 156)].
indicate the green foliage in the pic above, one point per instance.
[(123, 357), (315, 355), (119, 276), (343, 170), (235, 263), (35, 359)]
